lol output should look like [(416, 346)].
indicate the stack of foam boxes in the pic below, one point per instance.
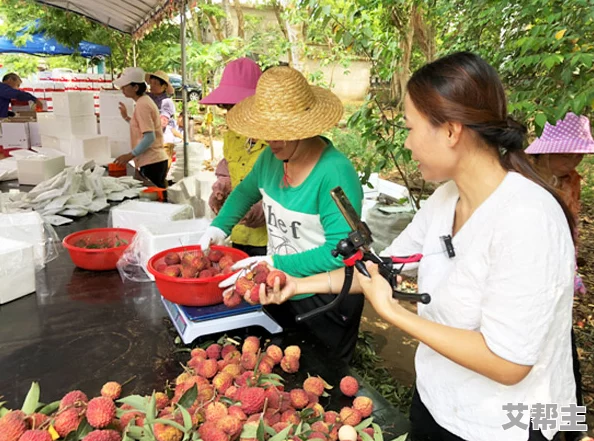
[(111, 123), (72, 129)]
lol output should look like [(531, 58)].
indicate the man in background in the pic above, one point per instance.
[(9, 90)]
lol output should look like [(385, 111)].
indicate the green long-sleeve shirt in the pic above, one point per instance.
[(303, 222)]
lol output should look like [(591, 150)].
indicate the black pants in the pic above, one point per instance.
[(156, 173), (425, 428), (338, 329), (251, 250)]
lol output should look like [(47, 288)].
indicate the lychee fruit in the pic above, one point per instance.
[(330, 417), (215, 255), (231, 425), (236, 412), (350, 416), (314, 385), (243, 285), (272, 277), (252, 400), (226, 262), (232, 299), (232, 369), (161, 400), (347, 433), (253, 295), (206, 274), (320, 426), (208, 368), (210, 432), (251, 344), (349, 386), (215, 411), (293, 351), (172, 259), (37, 419), (226, 349), (165, 432), (198, 352), (35, 435), (74, 398), (275, 353), (222, 381), (111, 390), (173, 271), (290, 364), (68, 420), (188, 272), (103, 435), (161, 267), (248, 360), (100, 412), (12, 425), (290, 416), (214, 351), (264, 367), (363, 405), (299, 398)]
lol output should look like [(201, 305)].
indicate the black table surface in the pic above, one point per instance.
[(83, 328)]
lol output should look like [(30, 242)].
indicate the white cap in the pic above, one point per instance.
[(130, 75)]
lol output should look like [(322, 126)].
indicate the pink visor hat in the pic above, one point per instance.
[(239, 81), (569, 135)]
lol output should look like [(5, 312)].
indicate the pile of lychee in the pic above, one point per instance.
[(226, 393), (196, 264), (247, 286)]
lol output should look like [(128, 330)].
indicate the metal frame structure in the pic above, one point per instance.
[(129, 16)]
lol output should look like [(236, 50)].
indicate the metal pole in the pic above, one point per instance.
[(134, 53), (182, 29)]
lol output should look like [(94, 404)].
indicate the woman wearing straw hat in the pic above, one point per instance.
[(293, 178), (146, 134), (160, 91), (238, 81)]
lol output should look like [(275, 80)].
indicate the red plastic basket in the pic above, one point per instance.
[(191, 292), (97, 259)]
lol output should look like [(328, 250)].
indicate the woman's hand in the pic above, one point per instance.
[(124, 159), (376, 289), (276, 296), (123, 111)]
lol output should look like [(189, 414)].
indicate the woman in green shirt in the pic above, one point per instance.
[(293, 178)]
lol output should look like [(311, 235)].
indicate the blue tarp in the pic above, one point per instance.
[(39, 44)]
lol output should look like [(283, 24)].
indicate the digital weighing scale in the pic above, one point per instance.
[(192, 322)]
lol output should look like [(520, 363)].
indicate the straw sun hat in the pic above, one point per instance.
[(285, 108), (162, 76)]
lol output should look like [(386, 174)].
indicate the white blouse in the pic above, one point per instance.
[(511, 280)]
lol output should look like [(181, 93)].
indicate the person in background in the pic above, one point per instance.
[(240, 153), (497, 332), (146, 134), (161, 91), (293, 178), (556, 154), (9, 90)]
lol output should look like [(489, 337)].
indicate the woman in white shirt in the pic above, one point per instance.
[(497, 330)]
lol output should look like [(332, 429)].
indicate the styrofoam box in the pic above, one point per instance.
[(17, 270), (114, 127), (109, 104), (165, 235), (50, 142), (87, 147), (25, 227), (73, 103), (76, 125), (34, 136), (36, 169), (132, 214), (46, 122), (118, 147), (15, 134)]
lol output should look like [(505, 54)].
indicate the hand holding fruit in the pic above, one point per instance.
[(212, 236), (252, 285)]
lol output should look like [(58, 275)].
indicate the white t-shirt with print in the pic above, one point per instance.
[(512, 281)]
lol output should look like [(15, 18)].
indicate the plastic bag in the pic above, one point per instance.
[(151, 239), (31, 228), (386, 222)]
